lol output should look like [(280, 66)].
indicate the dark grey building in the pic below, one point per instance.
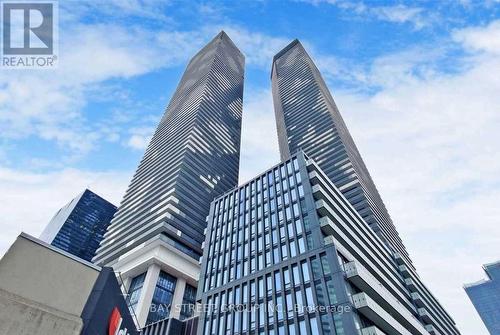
[(154, 241), (485, 295), (308, 119), (192, 157), (286, 253), (79, 226)]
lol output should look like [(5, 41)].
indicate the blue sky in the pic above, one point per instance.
[(417, 83)]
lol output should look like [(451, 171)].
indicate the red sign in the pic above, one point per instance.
[(115, 322)]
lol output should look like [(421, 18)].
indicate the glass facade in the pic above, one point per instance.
[(162, 298), (266, 268), (188, 302), (485, 295), (134, 292), (79, 227)]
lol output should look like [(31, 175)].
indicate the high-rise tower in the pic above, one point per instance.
[(79, 226), (308, 120), (192, 157)]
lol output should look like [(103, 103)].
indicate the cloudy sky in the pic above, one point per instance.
[(417, 83)]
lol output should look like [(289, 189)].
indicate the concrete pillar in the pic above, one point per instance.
[(147, 292), (180, 286)]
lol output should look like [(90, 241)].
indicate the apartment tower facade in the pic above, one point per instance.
[(154, 240)]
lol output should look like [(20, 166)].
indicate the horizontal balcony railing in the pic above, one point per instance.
[(372, 330), (362, 279), (432, 330), (383, 320)]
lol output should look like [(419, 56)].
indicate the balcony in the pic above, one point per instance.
[(383, 320), (410, 283), (372, 330), (404, 271), (326, 226), (417, 298), (429, 320), (432, 330), (398, 258), (329, 240), (362, 279), (425, 315)]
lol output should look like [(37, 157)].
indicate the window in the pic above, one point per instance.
[(309, 297), (298, 227), (286, 278), (277, 281), (262, 317), (270, 312), (301, 191), (326, 265), (331, 292), (305, 272), (293, 249), (316, 268), (296, 276), (188, 302), (269, 281), (299, 303), (314, 326), (302, 246), (162, 298), (289, 305), (325, 325), (284, 251), (276, 255), (302, 327), (252, 291), (279, 307), (237, 296), (244, 288), (320, 294), (261, 288), (134, 291)]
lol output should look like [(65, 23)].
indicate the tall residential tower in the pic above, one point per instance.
[(308, 119), (155, 238)]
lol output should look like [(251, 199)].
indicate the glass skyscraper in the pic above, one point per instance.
[(79, 226), (308, 119), (485, 295), (155, 239)]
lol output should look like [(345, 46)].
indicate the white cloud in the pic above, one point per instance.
[(259, 141), (399, 13), (259, 49), (140, 138), (485, 39), (29, 200)]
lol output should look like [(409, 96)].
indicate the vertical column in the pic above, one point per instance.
[(180, 286), (148, 290)]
